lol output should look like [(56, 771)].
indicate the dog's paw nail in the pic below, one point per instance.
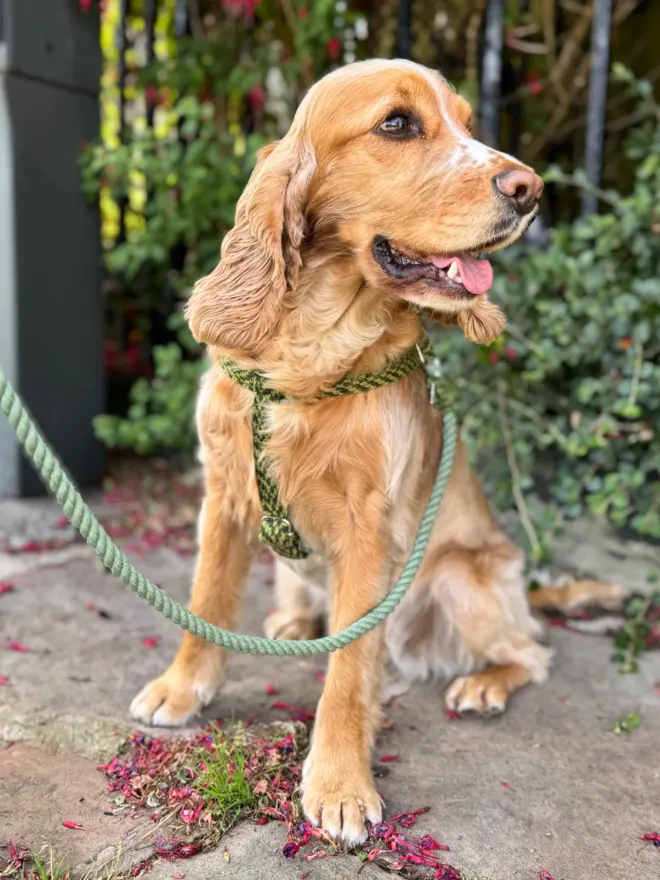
[(476, 695), (343, 811), (161, 704)]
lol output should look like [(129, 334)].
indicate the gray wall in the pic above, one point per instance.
[(51, 308)]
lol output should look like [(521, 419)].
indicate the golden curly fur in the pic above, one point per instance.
[(299, 295)]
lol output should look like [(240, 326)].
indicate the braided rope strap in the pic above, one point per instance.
[(78, 513)]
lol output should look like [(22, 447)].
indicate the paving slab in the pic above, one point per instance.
[(546, 786), (255, 854)]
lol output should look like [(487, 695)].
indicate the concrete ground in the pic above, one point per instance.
[(546, 786)]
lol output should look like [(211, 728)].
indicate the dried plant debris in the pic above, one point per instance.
[(200, 786)]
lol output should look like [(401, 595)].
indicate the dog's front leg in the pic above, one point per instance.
[(338, 790), (225, 554)]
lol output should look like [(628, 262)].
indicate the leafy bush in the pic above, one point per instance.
[(566, 401), (195, 119)]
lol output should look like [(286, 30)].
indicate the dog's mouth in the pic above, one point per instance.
[(459, 276)]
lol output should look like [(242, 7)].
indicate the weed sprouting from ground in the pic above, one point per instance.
[(27, 865), (223, 783)]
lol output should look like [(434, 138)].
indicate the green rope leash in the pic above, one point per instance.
[(81, 517)]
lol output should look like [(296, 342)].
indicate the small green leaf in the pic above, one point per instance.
[(628, 724)]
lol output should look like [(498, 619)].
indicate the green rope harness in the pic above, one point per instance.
[(81, 517), (277, 528)]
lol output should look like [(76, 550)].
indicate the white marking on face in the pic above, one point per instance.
[(467, 150)]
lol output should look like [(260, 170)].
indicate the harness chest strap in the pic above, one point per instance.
[(276, 527)]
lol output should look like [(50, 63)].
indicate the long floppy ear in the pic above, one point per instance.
[(483, 323), (237, 306)]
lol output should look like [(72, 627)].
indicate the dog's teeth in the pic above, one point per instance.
[(452, 271), (458, 279)]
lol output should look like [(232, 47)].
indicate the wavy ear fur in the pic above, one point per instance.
[(237, 306), (482, 324)]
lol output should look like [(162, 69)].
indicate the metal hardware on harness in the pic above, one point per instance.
[(281, 521)]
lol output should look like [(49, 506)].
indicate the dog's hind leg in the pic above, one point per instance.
[(301, 606), (578, 594), (468, 617)]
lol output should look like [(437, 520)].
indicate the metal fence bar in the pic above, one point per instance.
[(181, 18), (122, 45), (149, 26), (491, 74), (596, 111), (404, 29)]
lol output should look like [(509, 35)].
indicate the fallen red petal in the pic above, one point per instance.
[(7, 587), (506, 785), (4, 680), (453, 716), (320, 676), (151, 641), (271, 690), (390, 759), (14, 854), (73, 825), (17, 646)]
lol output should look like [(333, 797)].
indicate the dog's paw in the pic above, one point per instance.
[(339, 802), (286, 625), (480, 694), (169, 701)]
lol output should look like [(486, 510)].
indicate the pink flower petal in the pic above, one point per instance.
[(73, 825), (17, 646), (151, 641)]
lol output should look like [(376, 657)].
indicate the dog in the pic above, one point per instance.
[(368, 214)]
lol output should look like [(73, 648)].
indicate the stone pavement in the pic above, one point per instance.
[(576, 799)]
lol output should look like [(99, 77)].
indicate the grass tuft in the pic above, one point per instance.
[(223, 781)]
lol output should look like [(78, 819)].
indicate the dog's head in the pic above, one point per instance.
[(380, 159)]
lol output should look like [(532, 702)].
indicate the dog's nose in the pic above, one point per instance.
[(521, 187)]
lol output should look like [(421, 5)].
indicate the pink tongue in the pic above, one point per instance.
[(476, 275)]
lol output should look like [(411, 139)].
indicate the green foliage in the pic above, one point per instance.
[(161, 411), (575, 377), (637, 633), (178, 181), (629, 724)]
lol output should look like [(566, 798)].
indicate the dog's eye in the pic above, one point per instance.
[(399, 125)]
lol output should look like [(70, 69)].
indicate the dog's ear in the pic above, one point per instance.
[(237, 306), (482, 324)]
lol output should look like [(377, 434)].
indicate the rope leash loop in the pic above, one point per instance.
[(62, 487)]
